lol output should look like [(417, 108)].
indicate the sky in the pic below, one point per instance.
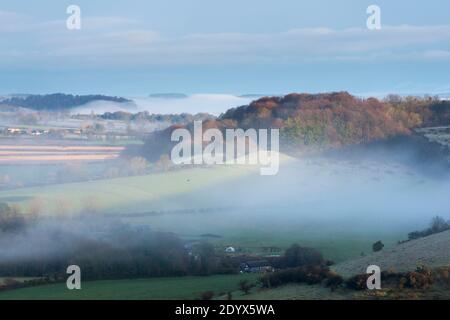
[(135, 48)]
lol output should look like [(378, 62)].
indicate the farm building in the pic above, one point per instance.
[(15, 131), (230, 250), (256, 266)]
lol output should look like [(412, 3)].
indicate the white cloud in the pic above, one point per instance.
[(437, 54), (121, 42)]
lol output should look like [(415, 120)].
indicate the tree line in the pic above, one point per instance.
[(57, 101)]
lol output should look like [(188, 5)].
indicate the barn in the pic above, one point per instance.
[(256, 266)]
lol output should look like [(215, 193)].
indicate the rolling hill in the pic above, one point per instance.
[(432, 251)]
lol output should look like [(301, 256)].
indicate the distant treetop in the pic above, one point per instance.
[(57, 101)]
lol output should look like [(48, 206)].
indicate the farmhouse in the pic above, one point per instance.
[(15, 131), (38, 132), (256, 266), (230, 250)]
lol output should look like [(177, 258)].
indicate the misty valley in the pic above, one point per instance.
[(361, 181)]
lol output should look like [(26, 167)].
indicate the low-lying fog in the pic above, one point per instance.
[(392, 190), (196, 103), (316, 197)]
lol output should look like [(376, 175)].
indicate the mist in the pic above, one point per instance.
[(325, 195), (362, 194), (50, 237), (196, 103)]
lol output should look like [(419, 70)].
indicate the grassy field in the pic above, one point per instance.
[(139, 289), (20, 279), (128, 194), (295, 292)]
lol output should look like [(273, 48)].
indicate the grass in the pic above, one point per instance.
[(294, 292), (20, 279), (127, 194), (170, 288)]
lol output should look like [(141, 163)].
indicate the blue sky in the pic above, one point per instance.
[(203, 46)]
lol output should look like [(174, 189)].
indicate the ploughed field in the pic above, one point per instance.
[(14, 154)]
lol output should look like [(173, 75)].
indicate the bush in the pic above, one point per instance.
[(296, 256), (207, 295), (12, 283), (305, 274), (443, 274), (438, 224), (245, 286), (357, 282), (422, 278), (333, 280), (377, 246)]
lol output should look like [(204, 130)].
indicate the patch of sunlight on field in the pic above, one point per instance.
[(119, 194), (153, 192)]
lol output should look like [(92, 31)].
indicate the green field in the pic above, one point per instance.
[(20, 279), (296, 292), (128, 194), (139, 289)]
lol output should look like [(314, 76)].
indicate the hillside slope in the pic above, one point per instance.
[(432, 251)]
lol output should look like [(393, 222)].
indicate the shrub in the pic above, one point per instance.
[(245, 286), (333, 280), (438, 224), (377, 246), (12, 283), (296, 256), (417, 280), (422, 278), (357, 282), (207, 295), (305, 274), (329, 263), (443, 274)]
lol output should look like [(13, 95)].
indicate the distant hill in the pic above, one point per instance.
[(56, 101), (168, 95), (326, 121)]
